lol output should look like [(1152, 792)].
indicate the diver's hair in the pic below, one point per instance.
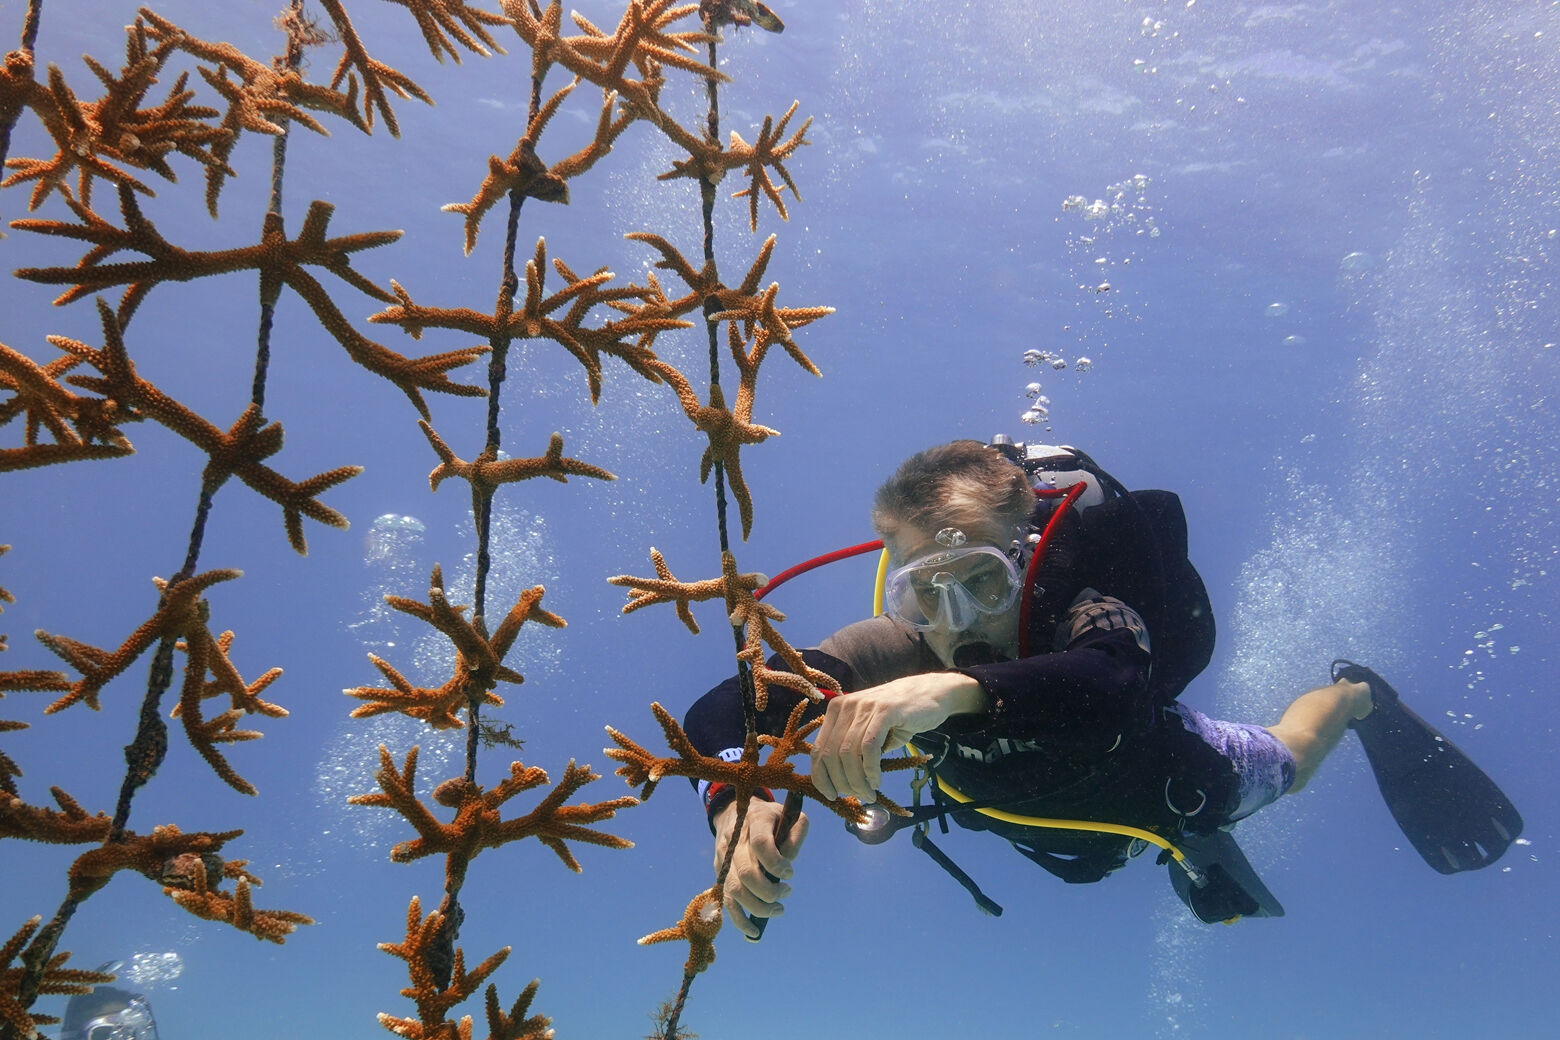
[(958, 484)]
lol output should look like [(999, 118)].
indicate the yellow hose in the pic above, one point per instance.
[(877, 586), (1062, 825)]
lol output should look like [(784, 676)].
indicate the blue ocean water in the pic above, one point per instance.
[(1308, 251)]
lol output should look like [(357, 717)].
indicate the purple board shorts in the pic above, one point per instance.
[(1264, 765)]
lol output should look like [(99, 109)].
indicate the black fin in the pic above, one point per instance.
[(1230, 888), (1449, 809)]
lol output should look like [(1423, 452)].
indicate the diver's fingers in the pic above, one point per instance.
[(827, 776), (873, 736), (757, 884), (856, 753), (775, 856), (734, 895), (750, 906)]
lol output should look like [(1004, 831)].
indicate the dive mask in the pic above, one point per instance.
[(950, 590)]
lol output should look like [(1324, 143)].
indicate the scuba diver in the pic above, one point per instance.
[(1038, 623)]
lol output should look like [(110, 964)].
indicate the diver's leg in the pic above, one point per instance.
[(1314, 723)]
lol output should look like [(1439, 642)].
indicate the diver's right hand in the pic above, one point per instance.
[(748, 888)]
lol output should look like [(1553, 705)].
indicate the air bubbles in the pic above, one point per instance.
[(392, 537), (1277, 309), (1032, 390), (146, 970), (1033, 357), (1354, 263), (1294, 341), (1035, 416), (1083, 364), (1059, 363)]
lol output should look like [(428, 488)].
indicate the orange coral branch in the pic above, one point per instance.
[(238, 451), (262, 98), (538, 316), (180, 608), (644, 592), (207, 654), (73, 421), (438, 20), (644, 770), (419, 949), (56, 980), (114, 127), (191, 889), (487, 472), (68, 825), (478, 824), (377, 76), (479, 663), (515, 1025), (698, 927)]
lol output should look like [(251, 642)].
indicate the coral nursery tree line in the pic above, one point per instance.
[(179, 102)]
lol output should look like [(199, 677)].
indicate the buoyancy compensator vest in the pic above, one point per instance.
[(1128, 544)]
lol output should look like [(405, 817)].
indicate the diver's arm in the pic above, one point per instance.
[(1097, 682)]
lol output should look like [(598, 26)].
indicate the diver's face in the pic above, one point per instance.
[(907, 543)]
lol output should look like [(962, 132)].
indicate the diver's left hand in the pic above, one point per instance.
[(858, 728)]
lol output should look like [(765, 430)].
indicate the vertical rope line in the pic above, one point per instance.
[(441, 958), (291, 59), (482, 498), (712, 306)]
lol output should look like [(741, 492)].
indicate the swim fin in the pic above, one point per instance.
[(1449, 809)]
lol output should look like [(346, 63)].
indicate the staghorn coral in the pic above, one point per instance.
[(279, 260), (68, 825), (434, 1000), (699, 925), (80, 427), (479, 660), (487, 473), (644, 592), (377, 76), (236, 452), (439, 20), (181, 609), (205, 654), (629, 65), (645, 771), (263, 97), (190, 887), (538, 317), (92, 136), (641, 39), (708, 161), (478, 824), (56, 980)]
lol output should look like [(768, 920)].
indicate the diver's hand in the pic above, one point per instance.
[(858, 728), (747, 886)]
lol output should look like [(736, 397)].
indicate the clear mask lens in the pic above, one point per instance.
[(951, 590)]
